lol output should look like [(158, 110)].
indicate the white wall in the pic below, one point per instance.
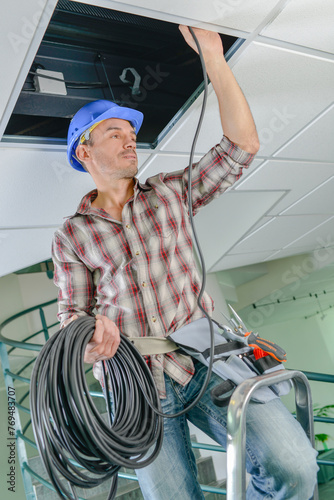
[(11, 300), (11, 303)]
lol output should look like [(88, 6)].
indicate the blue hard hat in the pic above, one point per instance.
[(92, 113)]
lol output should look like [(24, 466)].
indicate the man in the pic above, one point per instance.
[(126, 257)]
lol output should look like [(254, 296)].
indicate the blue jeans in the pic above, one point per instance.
[(279, 456)]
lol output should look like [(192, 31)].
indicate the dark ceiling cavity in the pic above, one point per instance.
[(90, 53)]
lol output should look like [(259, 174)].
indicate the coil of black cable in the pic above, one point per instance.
[(74, 442)]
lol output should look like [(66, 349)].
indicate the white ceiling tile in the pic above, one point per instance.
[(315, 142), (288, 252), (321, 236), (225, 220), (164, 163), (180, 138), (248, 171), (320, 201), (24, 247), (22, 27), (46, 188), (242, 15), (319, 244), (285, 90), (280, 232), (305, 22), (233, 261), (297, 178), (262, 222)]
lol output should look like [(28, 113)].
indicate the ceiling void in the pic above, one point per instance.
[(90, 53)]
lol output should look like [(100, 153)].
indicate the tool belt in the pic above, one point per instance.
[(238, 355), (233, 360)]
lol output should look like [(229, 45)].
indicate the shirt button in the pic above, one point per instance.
[(156, 206), (137, 253), (154, 319), (144, 283), (128, 226)]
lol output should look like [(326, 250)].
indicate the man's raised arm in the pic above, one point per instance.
[(236, 117)]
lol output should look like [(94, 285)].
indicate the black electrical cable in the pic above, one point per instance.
[(69, 431), (67, 425), (195, 239)]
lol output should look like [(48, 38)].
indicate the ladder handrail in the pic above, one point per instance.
[(236, 424)]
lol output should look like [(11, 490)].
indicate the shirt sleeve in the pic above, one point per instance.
[(218, 170), (74, 280)]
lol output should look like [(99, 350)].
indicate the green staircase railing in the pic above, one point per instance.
[(19, 414)]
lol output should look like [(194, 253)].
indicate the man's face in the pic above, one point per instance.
[(112, 149)]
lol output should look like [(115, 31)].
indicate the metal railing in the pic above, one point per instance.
[(236, 424), (9, 346)]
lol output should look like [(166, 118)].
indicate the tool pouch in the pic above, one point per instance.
[(232, 360)]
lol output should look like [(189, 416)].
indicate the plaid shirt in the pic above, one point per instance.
[(141, 272)]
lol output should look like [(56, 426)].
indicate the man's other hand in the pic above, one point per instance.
[(104, 342)]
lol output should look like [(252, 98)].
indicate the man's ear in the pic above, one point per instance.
[(82, 152)]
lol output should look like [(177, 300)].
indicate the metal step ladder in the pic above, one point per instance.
[(236, 424)]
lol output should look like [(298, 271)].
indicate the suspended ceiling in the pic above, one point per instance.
[(89, 53), (282, 206)]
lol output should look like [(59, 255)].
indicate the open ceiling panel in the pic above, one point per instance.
[(90, 53)]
